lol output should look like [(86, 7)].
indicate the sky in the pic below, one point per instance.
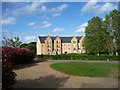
[(28, 20)]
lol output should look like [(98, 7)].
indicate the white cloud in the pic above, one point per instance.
[(31, 23), (26, 0), (30, 39), (32, 7), (61, 8), (9, 32), (106, 7), (43, 9), (58, 30), (37, 27), (35, 7), (8, 21), (57, 11), (93, 6), (29, 8), (81, 28), (90, 6), (56, 14), (45, 24)]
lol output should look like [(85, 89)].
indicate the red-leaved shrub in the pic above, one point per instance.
[(8, 76), (17, 55), (12, 56)]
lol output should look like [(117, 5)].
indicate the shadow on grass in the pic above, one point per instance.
[(27, 65), (42, 82)]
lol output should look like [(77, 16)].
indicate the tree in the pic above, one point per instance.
[(13, 42), (23, 45), (110, 45), (5, 42), (103, 36), (31, 47), (94, 36), (115, 20), (112, 28)]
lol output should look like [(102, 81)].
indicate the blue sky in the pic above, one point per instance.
[(31, 19)]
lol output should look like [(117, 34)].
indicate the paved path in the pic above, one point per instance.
[(57, 61), (40, 75)]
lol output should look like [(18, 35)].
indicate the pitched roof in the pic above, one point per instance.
[(42, 39), (66, 39), (63, 39), (79, 38)]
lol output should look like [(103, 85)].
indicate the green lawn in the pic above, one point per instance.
[(92, 69)]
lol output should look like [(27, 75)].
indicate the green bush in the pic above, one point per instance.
[(78, 57)]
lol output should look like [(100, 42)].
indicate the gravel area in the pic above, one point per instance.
[(40, 75)]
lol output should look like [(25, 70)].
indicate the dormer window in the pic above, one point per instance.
[(74, 41)]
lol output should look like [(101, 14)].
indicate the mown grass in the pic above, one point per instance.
[(78, 57), (91, 69)]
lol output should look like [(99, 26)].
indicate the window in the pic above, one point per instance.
[(48, 46), (58, 49), (49, 42), (48, 50), (74, 45), (74, 41), (59, 41), (74, 48), (48, 53), (64, 48)]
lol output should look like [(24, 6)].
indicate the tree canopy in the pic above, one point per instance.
[(103, 36), (12, 42), (31, 46)]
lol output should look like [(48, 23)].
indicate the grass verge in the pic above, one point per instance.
[(91, 69)]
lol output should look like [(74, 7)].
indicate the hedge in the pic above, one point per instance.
[(17, 55), (8, 76), (78, 57)]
